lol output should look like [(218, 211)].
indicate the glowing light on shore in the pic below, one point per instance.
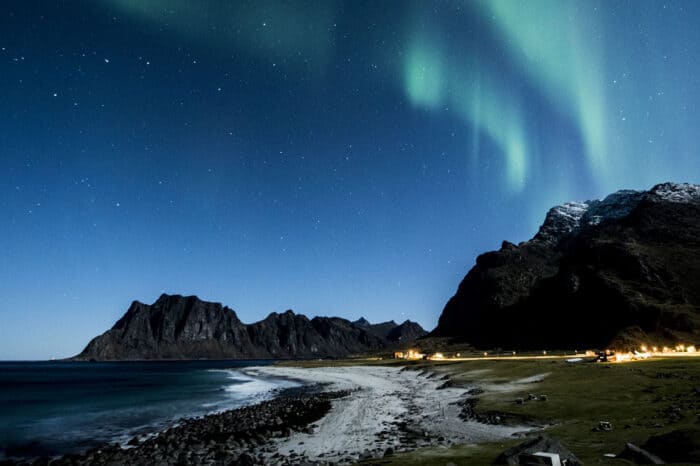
[(644, 352), (680, 350), (411, 354)]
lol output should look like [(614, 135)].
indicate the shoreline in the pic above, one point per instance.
[(339, 415), (389, 410), (239, 436)]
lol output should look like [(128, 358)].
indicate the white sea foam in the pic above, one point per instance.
[(249, 386)]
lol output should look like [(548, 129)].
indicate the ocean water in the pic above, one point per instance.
[(53, 408)]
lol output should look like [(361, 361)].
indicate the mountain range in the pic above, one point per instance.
[(185, 327), (615, 272)]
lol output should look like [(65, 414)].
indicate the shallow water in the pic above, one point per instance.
[(52, 408)]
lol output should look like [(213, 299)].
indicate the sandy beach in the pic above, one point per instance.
[(338, 416), (389, 409)]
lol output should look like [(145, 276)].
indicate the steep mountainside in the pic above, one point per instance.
[(615, 272), (177, 327)]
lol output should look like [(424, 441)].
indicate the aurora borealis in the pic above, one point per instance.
[(336, 158)]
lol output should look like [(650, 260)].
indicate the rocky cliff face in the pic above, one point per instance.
[(177, 327), (617, 271)]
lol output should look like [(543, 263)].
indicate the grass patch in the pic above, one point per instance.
[(640, 399)]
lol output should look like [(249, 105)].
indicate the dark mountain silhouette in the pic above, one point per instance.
[(177, 327), (391, 331), (618, 272)]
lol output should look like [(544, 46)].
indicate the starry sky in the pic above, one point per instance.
[(346, 158)]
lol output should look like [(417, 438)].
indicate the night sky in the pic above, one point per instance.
[(337, 158)]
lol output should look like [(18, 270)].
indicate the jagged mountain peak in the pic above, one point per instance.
[(288, 313), (165, 298), (563, 220), (676, 192), (362, 322)]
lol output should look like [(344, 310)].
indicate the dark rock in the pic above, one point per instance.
[(539, 444), (678, 446), (446, 384), (223, 438), (633, 258), (603, 426), (245, 460), (638, 455), (507, 245)]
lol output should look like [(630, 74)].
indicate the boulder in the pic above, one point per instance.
[(639, 455), (678, 446)]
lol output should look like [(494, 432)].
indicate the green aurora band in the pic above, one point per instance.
[(487, 61), (562, 58), (558, 58), (475, 93)]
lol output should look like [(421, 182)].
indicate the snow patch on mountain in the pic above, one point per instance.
[(676, 192), (566, 218)]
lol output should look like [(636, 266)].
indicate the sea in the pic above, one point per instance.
[(55, 408)]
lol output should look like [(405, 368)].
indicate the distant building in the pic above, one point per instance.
[(410, 354)]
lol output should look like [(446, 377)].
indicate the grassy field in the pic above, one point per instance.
[(640, 399)]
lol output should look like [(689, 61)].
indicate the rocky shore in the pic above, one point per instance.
[(341, 415), (241, 436)]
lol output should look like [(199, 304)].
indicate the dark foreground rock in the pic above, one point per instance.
[(542, 443), (678, 446), (639, 455), (237, 437)]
